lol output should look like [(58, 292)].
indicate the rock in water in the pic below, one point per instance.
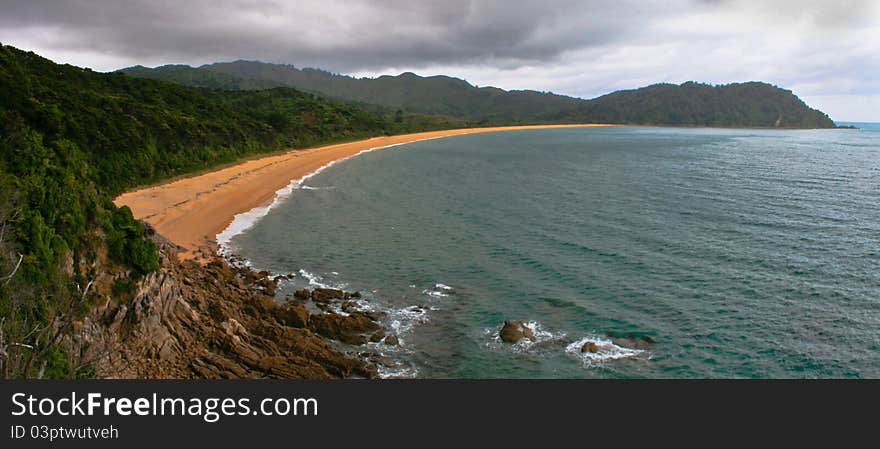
[(347, 329), (303, 294), (349, 306), (631, 341), (514, 331), (377, 337), (590, 347), (327, 294), (528, 332), (392, 340)]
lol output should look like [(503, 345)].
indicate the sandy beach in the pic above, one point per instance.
[(192, 211)]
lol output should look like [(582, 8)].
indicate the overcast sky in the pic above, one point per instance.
[(827, 52)]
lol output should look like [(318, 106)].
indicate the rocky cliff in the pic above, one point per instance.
[(213, 321)]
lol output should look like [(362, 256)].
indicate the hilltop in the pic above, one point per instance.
[(750, 104)]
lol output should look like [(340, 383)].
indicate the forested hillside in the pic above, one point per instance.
[(752, 104), (71, 139)]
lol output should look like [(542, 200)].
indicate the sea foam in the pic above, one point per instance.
[(605, 351)]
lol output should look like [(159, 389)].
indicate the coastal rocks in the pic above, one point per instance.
[(303, 295), (327, 299), (349, 306), (293, 314), (189, 320), (347, 329), (374, 314), (377, 337), (268, 285), (392, 340), (327, 294), (513, 331), (590, 347)]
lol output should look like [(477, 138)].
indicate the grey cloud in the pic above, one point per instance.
[(834, 14), (343, 36), (827, 49)]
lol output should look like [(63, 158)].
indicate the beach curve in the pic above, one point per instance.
[(193, 211)]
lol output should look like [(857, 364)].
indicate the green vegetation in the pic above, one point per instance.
[(72, 139), (189, 76), (751, 104)]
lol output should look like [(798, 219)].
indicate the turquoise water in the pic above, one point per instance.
[(742, 253)]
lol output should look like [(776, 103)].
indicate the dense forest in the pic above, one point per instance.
[(71, 139), (752, 104)]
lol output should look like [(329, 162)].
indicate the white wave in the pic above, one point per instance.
[(402, 320), (398, 371), (246, 220), (314, 279), (605, 351), (434, 293), (438, 291)]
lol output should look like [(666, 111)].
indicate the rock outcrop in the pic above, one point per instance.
[(513, 331), (353, 328), (215, 321)]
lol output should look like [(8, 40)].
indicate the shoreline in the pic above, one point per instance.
[(196, 212)]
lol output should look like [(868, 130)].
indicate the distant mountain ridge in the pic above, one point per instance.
[(751, 104)]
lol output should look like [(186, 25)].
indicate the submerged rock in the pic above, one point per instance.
[(631, 341)]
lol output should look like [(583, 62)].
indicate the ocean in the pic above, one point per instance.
[(740, 253)]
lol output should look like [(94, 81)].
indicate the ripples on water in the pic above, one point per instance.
[(743, 253)]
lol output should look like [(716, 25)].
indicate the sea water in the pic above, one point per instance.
[(741, 253)]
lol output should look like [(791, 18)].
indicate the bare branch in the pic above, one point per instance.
[(36, 328), (86, 291), (8, 278)]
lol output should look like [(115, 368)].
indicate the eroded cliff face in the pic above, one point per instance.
[(212, 321)]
